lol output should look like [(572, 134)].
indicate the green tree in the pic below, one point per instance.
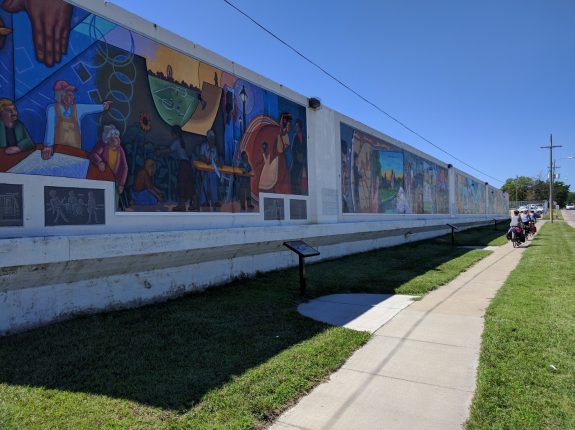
[(518, 188), (560, 193)]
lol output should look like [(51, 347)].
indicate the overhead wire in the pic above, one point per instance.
[(346, 86)]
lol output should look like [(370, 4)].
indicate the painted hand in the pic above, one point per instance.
[(47, 152), (12, 150), (50, 26)]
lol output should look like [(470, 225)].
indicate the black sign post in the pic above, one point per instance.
[(453, 228), (495, 224), (303, 250)]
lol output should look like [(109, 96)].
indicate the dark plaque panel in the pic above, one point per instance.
[(11, 214), (73, 206), (298, 209), (301, 248), (273, 209)]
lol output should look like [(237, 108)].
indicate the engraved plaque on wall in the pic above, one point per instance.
[(74, 206), (329, 201), (273, 209), (11, 214), (298, 209)]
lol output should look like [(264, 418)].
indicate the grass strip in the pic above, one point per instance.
[(232, 357), (526, 377)]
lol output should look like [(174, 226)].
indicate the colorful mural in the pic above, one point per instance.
[(379, 177), (498, 201), (174, 134), (469, 195)]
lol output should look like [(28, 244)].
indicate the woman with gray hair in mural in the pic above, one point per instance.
[(109, 153)]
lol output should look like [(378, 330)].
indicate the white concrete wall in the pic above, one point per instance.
[(48, 273)]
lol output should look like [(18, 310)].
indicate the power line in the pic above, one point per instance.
[(343, 84)]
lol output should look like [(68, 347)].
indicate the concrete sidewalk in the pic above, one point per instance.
[(418, 371)]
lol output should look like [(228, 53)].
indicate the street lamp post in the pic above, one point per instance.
[(244, 97)]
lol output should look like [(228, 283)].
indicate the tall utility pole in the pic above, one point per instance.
[(551, 172)]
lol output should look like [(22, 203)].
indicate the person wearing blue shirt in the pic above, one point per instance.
[(64, 118)]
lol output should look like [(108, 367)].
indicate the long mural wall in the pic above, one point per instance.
[(106, 103), (172, 133)]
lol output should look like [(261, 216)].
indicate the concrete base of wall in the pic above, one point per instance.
[(48, 279)]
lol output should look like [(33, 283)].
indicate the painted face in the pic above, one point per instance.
[(9, 115), (68, 98), (115, 142), (114, 139)]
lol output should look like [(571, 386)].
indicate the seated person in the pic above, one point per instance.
[(144, 191), (13, 134)]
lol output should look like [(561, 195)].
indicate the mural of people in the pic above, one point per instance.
[(13, 134), (186, 185), (245, 193), (109, 153), (299, 159), (64, 97), (282, 185), (387, 179), (64, 118), (209, 195)]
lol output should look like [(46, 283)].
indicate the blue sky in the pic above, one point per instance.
[(481, 79)]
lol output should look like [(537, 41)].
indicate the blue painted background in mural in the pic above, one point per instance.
[(173, 133)]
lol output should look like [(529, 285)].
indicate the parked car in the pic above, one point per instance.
[(522, 208), (540, 209), (570, 206)]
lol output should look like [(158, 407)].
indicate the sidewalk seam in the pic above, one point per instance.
[(406, 380)]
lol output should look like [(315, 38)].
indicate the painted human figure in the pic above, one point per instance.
[(57, 207), (145, 193), (282, 185), (64, 118), (13, 134), (186, 189), (209, 155), (299, 159), (92, 208), (109, 153), (245, 193), (231, 133)]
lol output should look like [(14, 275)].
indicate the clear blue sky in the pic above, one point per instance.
[(482, 79)]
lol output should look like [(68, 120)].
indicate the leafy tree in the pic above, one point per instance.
[(518, 188), (523, 188), (560, 193)]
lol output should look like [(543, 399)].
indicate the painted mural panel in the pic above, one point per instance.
[(105, 103), (498, 202), (379, 177), (469, 195)]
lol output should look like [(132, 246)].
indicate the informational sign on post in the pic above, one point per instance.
[(303, 250)]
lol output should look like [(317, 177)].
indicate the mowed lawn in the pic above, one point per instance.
[(233, 357), (526, 374)]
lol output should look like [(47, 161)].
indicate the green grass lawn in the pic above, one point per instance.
[(526, 374), (557, 215), (233, 357)]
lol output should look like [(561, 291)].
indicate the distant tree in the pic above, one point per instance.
[(539, 190), (560, 193), (518, 188)]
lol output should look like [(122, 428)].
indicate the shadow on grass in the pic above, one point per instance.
[(169, 355)]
